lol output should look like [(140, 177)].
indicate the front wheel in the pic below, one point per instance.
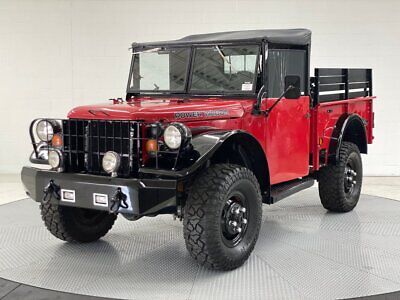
[(222, 216), (340, 184), (73, 224)]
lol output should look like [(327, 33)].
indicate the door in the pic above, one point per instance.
[(288, 124)]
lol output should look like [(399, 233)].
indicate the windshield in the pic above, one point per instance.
[(215, 69), (230, 69), (157, 70)]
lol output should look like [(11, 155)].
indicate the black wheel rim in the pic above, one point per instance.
[(234, 220), (350, 177)]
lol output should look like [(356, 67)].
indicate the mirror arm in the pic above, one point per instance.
[(267, 111), (256, 108)]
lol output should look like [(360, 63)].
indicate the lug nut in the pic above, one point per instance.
[(353, 173), (236, 211), (354, 182), (239, 230), (243, 209), (244, 221), (233, 223)]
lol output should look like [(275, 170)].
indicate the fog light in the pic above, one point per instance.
[(111, 162), (55, 159)]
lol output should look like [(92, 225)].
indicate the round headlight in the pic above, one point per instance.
[(111, 162), (54, 159), (45, 130), (172, 137), (177, 135)]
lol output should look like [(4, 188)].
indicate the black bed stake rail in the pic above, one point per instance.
[(333, 84)]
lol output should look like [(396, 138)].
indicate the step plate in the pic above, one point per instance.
[(286, 189)]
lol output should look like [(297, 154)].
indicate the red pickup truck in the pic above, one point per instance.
[(212, 126)]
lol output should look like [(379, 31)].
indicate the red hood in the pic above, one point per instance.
[(162, 109)]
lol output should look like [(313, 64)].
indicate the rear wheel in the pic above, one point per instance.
[(340, 184), (222, 216), (76, 224)]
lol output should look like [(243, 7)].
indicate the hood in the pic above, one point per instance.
[(169, 110)]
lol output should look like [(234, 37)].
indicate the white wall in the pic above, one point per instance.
[(58, 54)]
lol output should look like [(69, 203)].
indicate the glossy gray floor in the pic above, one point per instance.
[(302, 252)]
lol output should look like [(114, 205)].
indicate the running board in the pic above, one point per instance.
[(286, 189)]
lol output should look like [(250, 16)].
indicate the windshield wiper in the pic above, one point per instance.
[(224, 58)]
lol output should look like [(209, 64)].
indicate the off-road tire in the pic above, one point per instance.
[(332, 190), (70, 224), (204, 210)]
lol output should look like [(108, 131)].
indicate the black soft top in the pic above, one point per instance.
[(276, 36)]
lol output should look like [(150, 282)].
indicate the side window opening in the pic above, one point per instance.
[(282, 62)]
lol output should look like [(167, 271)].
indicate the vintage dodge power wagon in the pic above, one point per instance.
[(212, 126)]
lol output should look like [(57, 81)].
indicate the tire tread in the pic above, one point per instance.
[(330, 178), (56, 221), (209, 188)]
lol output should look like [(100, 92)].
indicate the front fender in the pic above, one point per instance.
[(206, 144)]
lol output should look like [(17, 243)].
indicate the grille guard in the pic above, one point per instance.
[(83, 156)]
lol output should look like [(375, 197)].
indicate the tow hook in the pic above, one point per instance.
[(51, 190), (118, 201)]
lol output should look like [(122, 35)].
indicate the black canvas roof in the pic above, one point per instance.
[(276, 36)]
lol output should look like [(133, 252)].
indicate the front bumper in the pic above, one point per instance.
[(144, 196)]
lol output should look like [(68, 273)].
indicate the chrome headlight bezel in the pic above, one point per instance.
[(42, 142), (49, 130), (179, 130), (55, 155)]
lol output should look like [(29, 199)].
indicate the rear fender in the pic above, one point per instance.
[(349, 128)]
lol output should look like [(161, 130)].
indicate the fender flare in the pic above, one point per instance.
[(206, 144), (339, 132)]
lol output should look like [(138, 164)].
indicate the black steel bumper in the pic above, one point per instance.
[(144, 196)]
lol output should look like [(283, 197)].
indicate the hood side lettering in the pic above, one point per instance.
[(201, 114)]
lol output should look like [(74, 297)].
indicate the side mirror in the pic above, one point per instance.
[(294, 82)]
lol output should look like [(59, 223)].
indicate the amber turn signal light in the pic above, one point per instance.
[(57, 141), (151, 146)]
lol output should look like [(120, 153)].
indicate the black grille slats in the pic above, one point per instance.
[(74, 140), (86, 142)]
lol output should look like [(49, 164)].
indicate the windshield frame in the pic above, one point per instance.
[(188, 79)]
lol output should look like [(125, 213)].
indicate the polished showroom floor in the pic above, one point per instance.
[(303, 252)]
